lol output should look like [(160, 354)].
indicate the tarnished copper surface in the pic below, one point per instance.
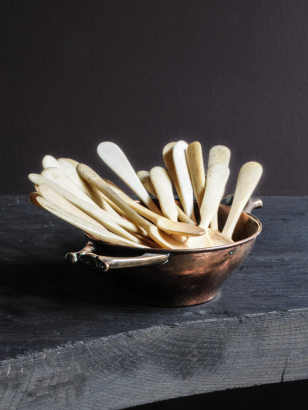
[(180, 277)]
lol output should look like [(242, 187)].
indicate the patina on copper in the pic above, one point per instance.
[(165, 277)]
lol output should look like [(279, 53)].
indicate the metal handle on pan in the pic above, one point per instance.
[(253, 203), (86, 257)]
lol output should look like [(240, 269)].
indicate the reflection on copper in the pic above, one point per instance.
[(186, 277)]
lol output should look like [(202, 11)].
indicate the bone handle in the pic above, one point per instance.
[(59, 177), (115, 158), (84, 210), (219, 154), (50, 162), (71, 161), (145, 179), (93, 193), (142, 210), (46, 192), (93, 210), (196, 170), (182, 172), (94, 230), (248, 179), (168, 159), (173, 228), (156, 234), (94, 179), (163, 187), (217, 177)]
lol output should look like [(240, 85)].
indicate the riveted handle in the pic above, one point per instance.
[(253, 203), (87, 258)]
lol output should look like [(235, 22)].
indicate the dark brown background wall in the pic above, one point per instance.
[(143, 73)]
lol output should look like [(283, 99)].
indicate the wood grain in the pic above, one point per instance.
[(70, 340)]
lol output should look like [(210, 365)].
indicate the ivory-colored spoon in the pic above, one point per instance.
[(217, 177), (119, 227), (94, 230), (71, 161), (248, 179), (163, 187), (33, 199), (196, 170), (182, 172), (149, 242), (106, 205), (59, 177), (50, 162), (156, 234), (71, 172), (52, 196), (93, 193), (168, 159), (196, 165), (145, 179), (115, 158), (172, 228), (219, 154), (57, 199)]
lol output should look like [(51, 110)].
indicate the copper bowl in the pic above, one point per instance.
[(166, 277)]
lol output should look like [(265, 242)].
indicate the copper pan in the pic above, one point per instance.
[(165, 277)]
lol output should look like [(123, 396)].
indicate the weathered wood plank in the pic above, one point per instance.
[(46, 302), (122, 354), (160, 363)]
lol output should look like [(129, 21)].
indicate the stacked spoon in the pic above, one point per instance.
[(78, 195)]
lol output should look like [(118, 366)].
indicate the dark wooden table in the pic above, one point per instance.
[(71, 341)]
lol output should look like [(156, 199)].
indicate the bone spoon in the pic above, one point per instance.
[(248, 179), (59, 177), (163, 187), (195, 162), (46, 192), (216, 178), (196, 170), (168, 160), (33, 199), (219, 154), (172, 228), (94, 230), (156, 234), (57, 199), (52, 196), (50, 162), (145, 179), (103, 217), (71, 161), (115, 158), (94, 194), (182, 172)]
